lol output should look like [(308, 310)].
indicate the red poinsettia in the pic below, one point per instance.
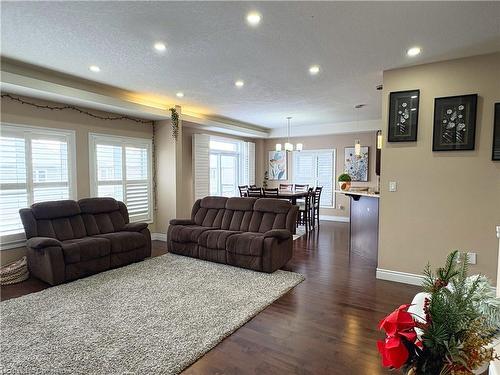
[(398, 325)]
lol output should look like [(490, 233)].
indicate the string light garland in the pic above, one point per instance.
[(70, 107)]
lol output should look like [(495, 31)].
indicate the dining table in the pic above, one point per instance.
[(292, 196)]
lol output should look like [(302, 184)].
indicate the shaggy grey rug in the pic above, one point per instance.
[(152, 317)]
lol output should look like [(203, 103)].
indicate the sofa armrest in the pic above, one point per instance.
[(134, 227), (279, 234), (182, 222), (42, 242)]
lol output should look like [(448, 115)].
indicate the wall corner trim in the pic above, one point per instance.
[(159, 237), (343, 219), (399, 277)]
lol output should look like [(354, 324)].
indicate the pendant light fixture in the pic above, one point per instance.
[(379, 139), (357, 142), (288, 145), (357, 148)]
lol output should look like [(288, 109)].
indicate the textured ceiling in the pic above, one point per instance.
[(210, 46)]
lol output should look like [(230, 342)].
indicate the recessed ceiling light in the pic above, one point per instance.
[(253, 18), (180, 94), (160, 46), (94, 68), (413, 51), (314, 69), (239, 83)]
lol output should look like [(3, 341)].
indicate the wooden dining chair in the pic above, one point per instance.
[(286, 187), (305, 211), (316, 203), (254, 192), (243, 190), (301, 188), (271, 193)]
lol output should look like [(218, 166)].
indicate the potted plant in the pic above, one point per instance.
[(344, 181), (449, 329)]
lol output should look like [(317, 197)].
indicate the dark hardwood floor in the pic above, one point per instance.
[(326, 325)]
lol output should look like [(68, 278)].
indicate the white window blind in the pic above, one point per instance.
[(251, 162), (201, 165), (121, 168), (316, 168), (36, 164)]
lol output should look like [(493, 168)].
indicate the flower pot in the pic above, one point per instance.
[(344, 185)]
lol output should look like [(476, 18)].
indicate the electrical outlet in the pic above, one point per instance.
[(471, 258), (393, 186)]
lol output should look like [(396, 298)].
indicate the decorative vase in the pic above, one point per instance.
[(344, 185)]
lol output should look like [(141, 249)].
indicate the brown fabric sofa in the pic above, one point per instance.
[(244, 232), (68, 240)]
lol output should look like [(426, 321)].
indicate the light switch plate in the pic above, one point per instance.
[(393, 186)]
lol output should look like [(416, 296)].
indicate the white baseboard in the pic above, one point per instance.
[(399, 277), (343, 219), (159, 237)]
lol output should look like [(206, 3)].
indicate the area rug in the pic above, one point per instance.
[(153, 317)]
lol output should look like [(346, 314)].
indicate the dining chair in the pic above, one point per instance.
[(316, 203), (286, 187), (270, 193), (254, 192), (243, 190), (305, 211), (301, 188)]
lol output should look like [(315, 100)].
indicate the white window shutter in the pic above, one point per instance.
[(201, 165), (325, 177), (36, 164), (251, 163), (304, 167), (316, 168), (121, 168)]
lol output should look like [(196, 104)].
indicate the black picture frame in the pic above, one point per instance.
[(454, 123), (495, 153), (403, 116)]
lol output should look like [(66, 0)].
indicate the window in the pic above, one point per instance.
[(316, 168), (36, 164), (224, 167), (221, 164), (121, 168)]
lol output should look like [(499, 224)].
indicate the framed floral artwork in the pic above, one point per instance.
[(454, 123), (403, 116), (277, 165), (356, 166)]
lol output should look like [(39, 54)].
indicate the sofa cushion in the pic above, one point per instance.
[(124, 241), (208, 212), (83, 249), (215, 239), (248, 243), (98, 205), (187, 233), (55, 209)]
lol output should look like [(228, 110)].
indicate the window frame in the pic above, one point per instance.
[(121, 141), (29, 132), (315, 152), (238, 153)]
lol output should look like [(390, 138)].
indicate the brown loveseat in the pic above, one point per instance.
[(244, 232), (68, 240)]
